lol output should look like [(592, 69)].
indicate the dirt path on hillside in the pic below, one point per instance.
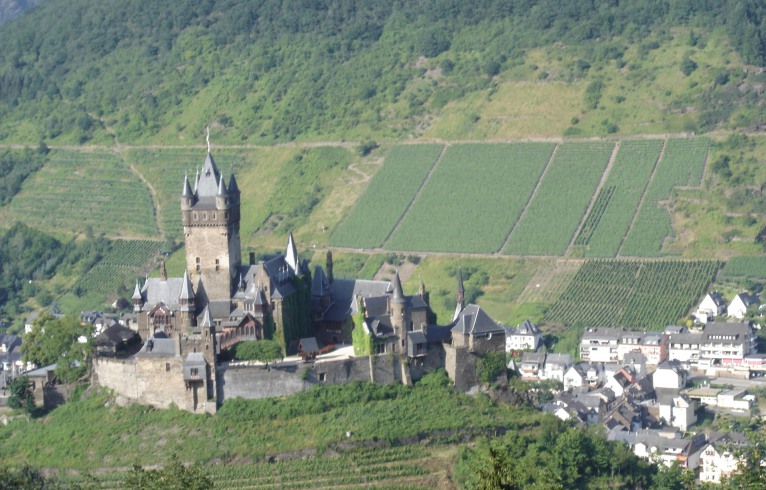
[(117, 149)]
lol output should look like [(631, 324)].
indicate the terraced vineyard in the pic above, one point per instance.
[(473, 198), (745, 267), (682, 165), (383, 468), (550, 220), (632, 294), (606, 225), (118, 268), (387, 197), (79, 189)]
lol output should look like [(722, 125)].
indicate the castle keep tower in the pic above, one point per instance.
[(210, 215)]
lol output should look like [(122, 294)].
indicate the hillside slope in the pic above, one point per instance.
[(279, 71)]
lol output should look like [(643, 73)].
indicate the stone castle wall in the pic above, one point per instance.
[(154, 381), (252, 382)]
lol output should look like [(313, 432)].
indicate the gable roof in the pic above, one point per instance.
[(475, 321), (527, 328)]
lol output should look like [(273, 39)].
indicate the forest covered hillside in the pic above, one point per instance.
[(260, 72)]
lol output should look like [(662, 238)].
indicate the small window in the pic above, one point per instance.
[(217, 264), (322, 377), (225, 215), (195, 216), (215, 215), (204, 216), (194, 372), (167, 366)]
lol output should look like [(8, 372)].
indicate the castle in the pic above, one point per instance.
[(187, 323)]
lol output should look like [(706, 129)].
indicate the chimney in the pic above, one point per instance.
[(252, 258)]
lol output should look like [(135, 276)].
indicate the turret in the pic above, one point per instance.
[(138, 300), (233, 189), (187, 196), (222, 196), (460, 295), (291, 255), (186, 302), (399, 319)]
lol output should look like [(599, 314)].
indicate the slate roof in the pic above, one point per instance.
[(438, 333), (194, 359), (527, 328), (533, 358), (309, 345), (158, 347), (686, 338), (114, 335), (475, 321), (344, 293), (207, 186), (156, 290), (320, 285), (559, 358), (10, 341), (748, 299)]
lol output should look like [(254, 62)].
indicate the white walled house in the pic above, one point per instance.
[(677, 411), (711, 306), (727, 341), (524, 337), (556, 366), (738, 307), (670, 375), (600, 345), (685, 347), (718, 458)]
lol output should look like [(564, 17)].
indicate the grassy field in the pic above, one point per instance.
[(94, 434), (472, 199)]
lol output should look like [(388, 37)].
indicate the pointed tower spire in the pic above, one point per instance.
[(136, 291), (207, 319), (187, 292), (163, 272), (422, 289), (460, 295), (222, 188), (291, 254), (398, 296), (233, 187), (138, 298), (196, 181), (186, 192), (241, 282)]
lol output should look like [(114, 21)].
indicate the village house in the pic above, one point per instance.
[(711, 306), (718, 458), (742, 302), (524, 337)]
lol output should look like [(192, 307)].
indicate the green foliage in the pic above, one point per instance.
[(20, 394), (638, 295), (54, 340), (688, 66), (554, 457), (15, 167), (472, 199), (386, 199), (361, 340), (264, 351), (592, 94), (751, 472), (174, 476), (29, 478), (490, 366), (563, 194), (682, 165)]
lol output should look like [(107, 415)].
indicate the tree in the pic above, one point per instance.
[(174, 476), (490, 366), (497, 473), (752, 472), (264, 351), (21, 396), (57, 340)]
